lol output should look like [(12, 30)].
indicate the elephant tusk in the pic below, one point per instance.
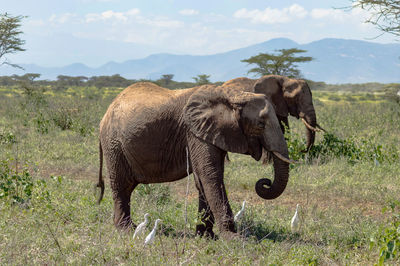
[(318, 126), (283, 158), (309, 126)]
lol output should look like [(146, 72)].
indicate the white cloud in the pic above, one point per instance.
[(160, 22), (335, 14), (61, 19), (111, 15), (272, 15), (188, 12)]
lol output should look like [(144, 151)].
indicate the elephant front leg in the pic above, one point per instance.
[(205, 214), (208, 166)]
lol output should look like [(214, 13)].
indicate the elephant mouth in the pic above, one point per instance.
[(317, 129), (283, 158)]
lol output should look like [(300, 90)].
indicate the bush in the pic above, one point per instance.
[(154, 192), (7, 138), (334, 147), (388, 240), (13, 185)]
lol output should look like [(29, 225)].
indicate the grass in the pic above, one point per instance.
[(59, 222)]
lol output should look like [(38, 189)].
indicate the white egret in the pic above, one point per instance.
[(141, 227), (376, 162), (240, 213), (295, 223), (150, 237)]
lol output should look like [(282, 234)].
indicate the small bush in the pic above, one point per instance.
[(63, 118), (334, 147), (7, 138), (334, 98), (159, 193), (41, 123), (388, 240), (13, 185)]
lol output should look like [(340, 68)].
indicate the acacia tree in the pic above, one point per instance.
[(10, 41), (283, 63), (385, 14), (202, 79), (167, 78)]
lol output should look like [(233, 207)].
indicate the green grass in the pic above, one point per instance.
[(59, 222)]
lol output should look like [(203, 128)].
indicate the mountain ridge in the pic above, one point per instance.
[(336, 61)]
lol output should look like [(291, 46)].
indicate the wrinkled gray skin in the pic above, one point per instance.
[(146, 130), (288, 96)]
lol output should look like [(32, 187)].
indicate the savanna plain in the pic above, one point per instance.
[(347, 187)]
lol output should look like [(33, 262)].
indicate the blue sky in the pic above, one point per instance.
[(94, 32)]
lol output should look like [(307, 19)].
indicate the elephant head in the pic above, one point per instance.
[(242, 122), (290, 96)]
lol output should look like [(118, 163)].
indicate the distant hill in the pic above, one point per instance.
[(336, 61)]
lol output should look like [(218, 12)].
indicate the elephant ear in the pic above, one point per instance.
[(291, 89), (211, 116), (271, 86)]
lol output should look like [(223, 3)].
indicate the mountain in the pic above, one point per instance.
[(335, 61)]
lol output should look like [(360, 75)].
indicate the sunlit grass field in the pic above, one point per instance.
[(49, 165)]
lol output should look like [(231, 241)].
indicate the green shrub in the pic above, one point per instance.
[(334, 98), (332, 146), (13, 185), (7, 138), (41, 123), (62, 118), (388, 240), (155, 192)]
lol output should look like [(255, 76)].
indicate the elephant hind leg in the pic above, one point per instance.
[(122, 210), (122, 185)]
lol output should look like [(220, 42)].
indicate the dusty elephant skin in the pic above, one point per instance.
[(146, 130), (288, 96)]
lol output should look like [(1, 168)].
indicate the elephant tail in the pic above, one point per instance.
[(100, 184)]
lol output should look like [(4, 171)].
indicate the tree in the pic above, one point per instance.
[(10, 41), (283, 63), (202, 79), (167, 78), (385, 14)]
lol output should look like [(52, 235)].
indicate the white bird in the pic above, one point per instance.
[(150, 237), (141, 227), (295, 223), (376, 162), (240, 213)]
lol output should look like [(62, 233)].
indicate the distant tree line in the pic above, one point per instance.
[(64, 82)]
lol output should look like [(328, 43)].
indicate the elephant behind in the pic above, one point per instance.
[(147, 130), (288, 96)]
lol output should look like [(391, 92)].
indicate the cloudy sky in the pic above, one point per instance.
[(94, 32)]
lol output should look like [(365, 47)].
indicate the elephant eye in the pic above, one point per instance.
[(261, 124)]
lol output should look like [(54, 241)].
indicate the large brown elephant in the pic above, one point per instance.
[(288, 96), (147, 131)]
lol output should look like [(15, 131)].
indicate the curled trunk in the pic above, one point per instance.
[(267, 189)]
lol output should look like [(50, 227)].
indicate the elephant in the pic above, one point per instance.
[(288, 96), (151, 134)]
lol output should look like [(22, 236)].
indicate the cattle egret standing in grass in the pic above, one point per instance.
[(376, 162), (240, 214), (150, 237), (295, 223), (141, 227)]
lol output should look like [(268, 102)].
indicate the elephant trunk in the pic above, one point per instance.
[(271, 190), (311, 120), (274, 142)]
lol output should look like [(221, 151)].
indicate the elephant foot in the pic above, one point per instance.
[(202, 230), (228, 235), (125, 224)]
